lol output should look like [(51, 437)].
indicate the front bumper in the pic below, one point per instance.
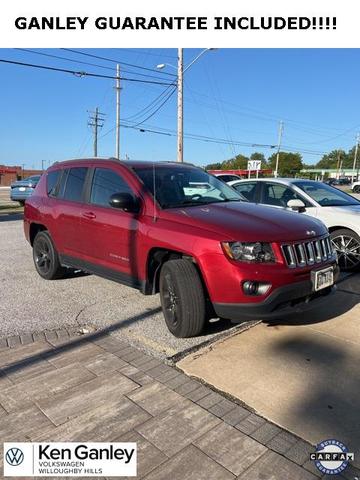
[(289, 299)]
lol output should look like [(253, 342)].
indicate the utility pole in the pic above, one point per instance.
[(180, 133), (281, 128), (355, 159), (338, 164), (96, 121), (117, 88), (22, 171), (42, 165)]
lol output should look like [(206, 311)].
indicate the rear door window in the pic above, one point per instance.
[(74, 184), (248, 190)]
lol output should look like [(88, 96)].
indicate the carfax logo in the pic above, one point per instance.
[(331, 457), (14, 456)]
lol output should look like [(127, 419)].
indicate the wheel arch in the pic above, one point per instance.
[(35, 228), (157, 256)]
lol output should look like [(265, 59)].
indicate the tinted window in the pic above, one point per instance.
[(105, 183), (34, 178), (228, 178), (326, 195), (184, 186), (74, 184), (52, 179), (279, 195), (247, 189)]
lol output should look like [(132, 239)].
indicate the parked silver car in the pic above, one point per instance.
[(339, 211), (23, 189)]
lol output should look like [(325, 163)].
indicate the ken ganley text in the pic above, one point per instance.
[(70, 459), (177, 23)]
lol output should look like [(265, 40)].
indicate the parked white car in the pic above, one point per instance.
[(227, 177), (339, 211), (355, 187)]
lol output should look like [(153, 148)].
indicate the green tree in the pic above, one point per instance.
[(214, 166), (331, 159), (239, 162), (289, 163)]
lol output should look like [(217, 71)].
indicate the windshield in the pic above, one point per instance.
[(177, 186), (326, 195), (34, 178)]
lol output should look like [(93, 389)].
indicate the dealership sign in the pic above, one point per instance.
[(69, 459), (254, 165)]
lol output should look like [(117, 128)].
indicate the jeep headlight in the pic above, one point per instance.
[(249, 251)]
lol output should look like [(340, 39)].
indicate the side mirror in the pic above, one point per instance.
[(297, 205), (125, 201)]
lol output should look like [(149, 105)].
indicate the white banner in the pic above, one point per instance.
[(249, 23), (68, 459)]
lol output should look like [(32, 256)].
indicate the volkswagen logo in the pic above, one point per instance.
[(310, 233), (14, 456)]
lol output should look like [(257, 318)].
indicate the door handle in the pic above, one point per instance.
[(89, 215)]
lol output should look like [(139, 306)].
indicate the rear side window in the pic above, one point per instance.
[(74, 184), (52, 180), (104, 184), (247, 189)]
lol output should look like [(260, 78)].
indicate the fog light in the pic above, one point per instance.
[(251, 287)]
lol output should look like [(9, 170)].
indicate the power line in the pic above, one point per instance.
[(28, 50), (145, 52), (81, 73), (78, 52)]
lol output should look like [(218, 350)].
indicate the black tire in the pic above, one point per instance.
[(347, 246), (21, 202), (46, 258), (182, 298), (357, 189)]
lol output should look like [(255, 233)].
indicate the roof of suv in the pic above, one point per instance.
[(129, 163)]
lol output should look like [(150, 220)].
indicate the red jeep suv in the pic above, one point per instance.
[(173, 228)]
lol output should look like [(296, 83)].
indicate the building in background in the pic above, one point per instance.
[(9, 174)]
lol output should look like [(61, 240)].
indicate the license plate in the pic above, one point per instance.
[(322, 278), (21, 189)]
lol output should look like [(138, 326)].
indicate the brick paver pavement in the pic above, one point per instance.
[(97, 388)]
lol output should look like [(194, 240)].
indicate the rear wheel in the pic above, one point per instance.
[(21, 202), (347, 246), (46, 258), (182, 298), (357, 189)]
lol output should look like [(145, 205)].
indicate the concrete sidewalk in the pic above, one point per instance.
[(301, 372), (97, 388)]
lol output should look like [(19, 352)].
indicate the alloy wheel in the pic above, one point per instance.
[(348, 251), (171, 302), (43, 256)]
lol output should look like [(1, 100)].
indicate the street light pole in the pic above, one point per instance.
[(281, 128), (180, 105), (355, 158), (117, 87), (180, 114)]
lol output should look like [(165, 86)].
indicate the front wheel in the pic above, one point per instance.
[(182, 298), (46, 258), (357, 189), (347, 246)]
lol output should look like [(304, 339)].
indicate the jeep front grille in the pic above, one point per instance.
[(308, 253)]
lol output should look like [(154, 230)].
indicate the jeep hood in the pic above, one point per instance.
[(247, 222)]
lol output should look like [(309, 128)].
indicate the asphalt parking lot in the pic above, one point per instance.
[(30, 304)]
